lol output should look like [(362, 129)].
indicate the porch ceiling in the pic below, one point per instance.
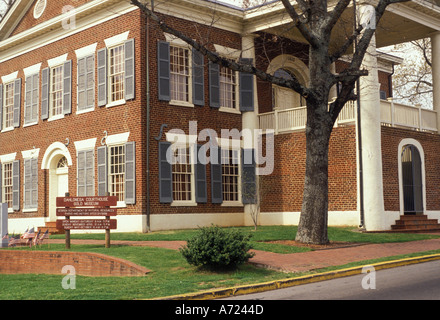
[(400, 23)]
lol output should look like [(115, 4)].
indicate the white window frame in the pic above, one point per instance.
[(235, 107), (4, 185), (184, 141), (120, 101), (53, 116), (27, 155), (180, 44), (235, 145), (5, 105)]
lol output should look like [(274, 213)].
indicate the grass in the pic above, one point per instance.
[(170, 273)]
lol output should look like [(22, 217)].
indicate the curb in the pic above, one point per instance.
[(291, 282)]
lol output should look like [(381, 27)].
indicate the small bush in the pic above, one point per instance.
[(216, 248)]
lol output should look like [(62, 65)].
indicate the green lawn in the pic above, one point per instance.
[(171, 274)]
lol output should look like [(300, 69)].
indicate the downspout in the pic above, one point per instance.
[(361, 174), (147, 55)]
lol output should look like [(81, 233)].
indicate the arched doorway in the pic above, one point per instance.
[(56, 160), (412, 180)]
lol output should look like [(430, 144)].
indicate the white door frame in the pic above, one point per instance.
[(53, 154)]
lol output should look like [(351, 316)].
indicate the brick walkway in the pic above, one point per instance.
[(304, 261)]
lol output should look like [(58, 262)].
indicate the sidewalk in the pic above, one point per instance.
[(303, 261)]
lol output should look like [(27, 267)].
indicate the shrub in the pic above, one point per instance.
[(216, 248)]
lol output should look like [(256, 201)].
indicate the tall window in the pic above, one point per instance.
[(230, 174), (85, 173), (117, 171), (86, 83), (30, 184), (7, 184), (116, 73), (182, 174), (56, 91), (8, 109), (179, 73), (227, 88)]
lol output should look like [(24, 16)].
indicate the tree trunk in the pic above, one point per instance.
[(312, 226)]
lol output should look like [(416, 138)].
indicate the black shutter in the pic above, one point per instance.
[(163, 70), (67, 87), (216, 175), (214, 85), (198, 78), (200, 173), (129, 86), (45, 93), (248, 177), (102, 171), (130, 173), (246, 89), (16, 185), (102, 77), (17, 103), (165, 174)]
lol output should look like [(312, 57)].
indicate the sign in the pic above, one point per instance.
[(82, 212), (85, 207), (104, 201), (87, 224)]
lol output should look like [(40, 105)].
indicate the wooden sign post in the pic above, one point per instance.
[(87, 207)]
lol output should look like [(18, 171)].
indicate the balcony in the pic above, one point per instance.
[(392, 114)]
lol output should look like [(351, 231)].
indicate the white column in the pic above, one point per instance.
[(435, 43), (249, 120), (371, 140)]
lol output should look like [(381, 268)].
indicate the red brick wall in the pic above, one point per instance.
[(85, 263), (283, 189), (391, 137), (124, 118), (178, 117)]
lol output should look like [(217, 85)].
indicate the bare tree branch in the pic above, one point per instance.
[(214, 57)]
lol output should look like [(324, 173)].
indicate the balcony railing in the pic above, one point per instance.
[(282, 121), (414, 117), (392, 114)]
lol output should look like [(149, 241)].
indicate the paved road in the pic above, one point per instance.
[(415, 282)]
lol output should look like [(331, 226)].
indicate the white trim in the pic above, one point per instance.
[(29, 71), (8, 157), (117, 39), (31, 154), (38, 14), (54, 149), (85, 144), (119, 138), (10, 77), (86, 51), (404, 142), (54, 62), (294, 64)]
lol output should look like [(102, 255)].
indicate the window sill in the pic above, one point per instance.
[(7, 129), (57, 117), (183, 204), (30, 210), (181, 103), (232, 204), (115, 103), (85, 110), (229, 110), (30, 124)]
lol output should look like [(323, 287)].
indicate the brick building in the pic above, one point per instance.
[(93, 94)]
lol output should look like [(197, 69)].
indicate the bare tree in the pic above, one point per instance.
[(4, 7), (315, 22), (412, 80)]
